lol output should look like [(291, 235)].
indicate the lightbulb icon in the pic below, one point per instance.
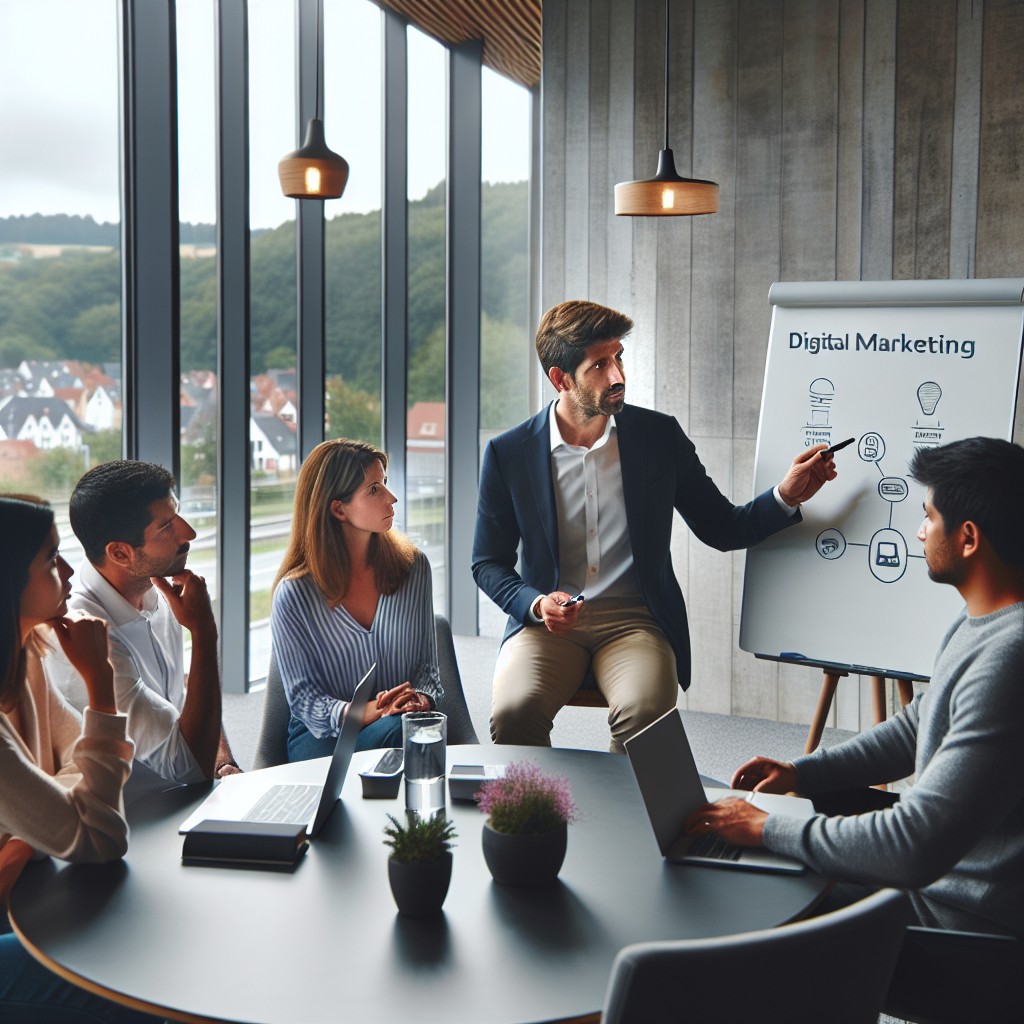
[(928, 395)]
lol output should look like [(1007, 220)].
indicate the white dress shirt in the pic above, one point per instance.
[(146, 650), (595, 556)]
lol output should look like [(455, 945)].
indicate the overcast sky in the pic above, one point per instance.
[(59, 108)]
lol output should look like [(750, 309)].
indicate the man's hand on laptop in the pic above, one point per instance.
[(736, 821), (763, 775)]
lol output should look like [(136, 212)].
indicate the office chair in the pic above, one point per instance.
[(588, 695), (835, 967), (453, 703), (272, 743), (947, 977)]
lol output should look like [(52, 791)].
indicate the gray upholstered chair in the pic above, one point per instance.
[(835, 967), (272, 744), (453, 703), (945, 977)]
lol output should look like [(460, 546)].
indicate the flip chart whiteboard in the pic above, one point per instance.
[(897, 365)]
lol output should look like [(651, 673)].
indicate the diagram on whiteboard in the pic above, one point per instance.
[(848, 584), (888, 550)]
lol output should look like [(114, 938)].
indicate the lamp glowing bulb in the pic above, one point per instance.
[(668, 199), (312, 179), (928, 395)]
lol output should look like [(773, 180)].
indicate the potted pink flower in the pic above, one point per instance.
[(525, 835)]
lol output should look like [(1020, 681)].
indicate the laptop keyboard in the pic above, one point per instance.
[(287, 804), (713, 848)]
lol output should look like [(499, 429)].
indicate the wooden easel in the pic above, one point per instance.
[(829, 683)]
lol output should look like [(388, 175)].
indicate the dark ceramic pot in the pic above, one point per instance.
[(420, 889), (525, 860)]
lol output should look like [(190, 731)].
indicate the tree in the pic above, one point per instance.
[(352, 413), (104, 446), (426, 369), (95, 334), (199, 460), (504, 363), (280, 358), (54, 472)]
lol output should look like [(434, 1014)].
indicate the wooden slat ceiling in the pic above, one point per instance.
[(510, 30)]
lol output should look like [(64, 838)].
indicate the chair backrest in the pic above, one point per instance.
[(272, 744), (453, 703), (945, 976), (835, 967)]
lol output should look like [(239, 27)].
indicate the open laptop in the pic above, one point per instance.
[(246, 797), (670, 785)]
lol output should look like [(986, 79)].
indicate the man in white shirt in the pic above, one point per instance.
[(125, 514), (588, 486)]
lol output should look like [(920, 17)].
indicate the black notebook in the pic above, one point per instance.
[(245, 843)]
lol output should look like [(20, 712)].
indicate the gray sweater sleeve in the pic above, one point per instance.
[(953, 822)]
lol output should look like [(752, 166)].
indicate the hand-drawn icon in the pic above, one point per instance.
[(830, 544), (928, 395), (887, 555), (893, 488), (820, 393), (871, 447)]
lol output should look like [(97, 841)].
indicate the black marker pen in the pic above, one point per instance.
[(837, 447)]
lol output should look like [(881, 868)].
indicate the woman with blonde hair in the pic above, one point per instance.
[(351, 592), (62, 782)]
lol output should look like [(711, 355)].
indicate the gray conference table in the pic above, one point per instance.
[(326, 944)]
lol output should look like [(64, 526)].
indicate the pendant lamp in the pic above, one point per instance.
[(666, 194), (313, 171)]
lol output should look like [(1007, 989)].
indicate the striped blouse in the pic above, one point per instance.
[(323, 652)]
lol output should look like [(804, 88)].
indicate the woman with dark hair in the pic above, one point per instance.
[(62, 783), (351, 592)]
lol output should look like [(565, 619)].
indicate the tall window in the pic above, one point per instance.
[(505, 345), (425, 418), (352, 118), (273, 448), (60, 264), (197, 211)]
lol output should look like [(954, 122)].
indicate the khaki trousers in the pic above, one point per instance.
[(618, 640)]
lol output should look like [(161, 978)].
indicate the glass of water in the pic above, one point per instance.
[(424, 735)]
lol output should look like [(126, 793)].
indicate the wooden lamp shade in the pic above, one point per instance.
[(666, 194), (313, 171)]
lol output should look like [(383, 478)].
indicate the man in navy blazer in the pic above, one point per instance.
[(588, 487)]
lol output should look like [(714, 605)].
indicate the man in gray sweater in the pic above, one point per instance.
[(955, 839)]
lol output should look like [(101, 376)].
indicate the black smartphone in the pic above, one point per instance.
[(573, 600)]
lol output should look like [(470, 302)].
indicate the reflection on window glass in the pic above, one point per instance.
[(197, 206), (60, 263), (272, 426), (353, 263), (425, 418), (506, 349)]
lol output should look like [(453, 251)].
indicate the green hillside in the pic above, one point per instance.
[(69, 306)]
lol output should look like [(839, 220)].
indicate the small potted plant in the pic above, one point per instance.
[(420, 865), (525, 835)]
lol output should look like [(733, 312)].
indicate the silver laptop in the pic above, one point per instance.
[(670, 785), (251, 796)]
